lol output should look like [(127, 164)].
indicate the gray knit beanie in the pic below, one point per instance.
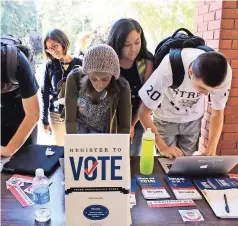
[(101, 58)]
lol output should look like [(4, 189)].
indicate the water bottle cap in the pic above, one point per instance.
[(148, 135), (39, 172)]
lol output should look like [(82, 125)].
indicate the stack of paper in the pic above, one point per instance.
[(182, 188), (151, 187), (15, 185), (234, 176), (133, 192)]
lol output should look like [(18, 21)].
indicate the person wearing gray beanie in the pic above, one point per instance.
[(101, 58), (97, 99)]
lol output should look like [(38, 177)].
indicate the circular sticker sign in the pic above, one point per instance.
[(96, 212), (192, 216)]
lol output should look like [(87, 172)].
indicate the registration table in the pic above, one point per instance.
[(13, 214)]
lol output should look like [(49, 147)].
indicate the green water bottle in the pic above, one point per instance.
[(147, 155)]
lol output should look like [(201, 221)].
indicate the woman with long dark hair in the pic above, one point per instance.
[(136, 65), (56, 48)]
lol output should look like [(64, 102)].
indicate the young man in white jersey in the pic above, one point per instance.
[(178, 112)]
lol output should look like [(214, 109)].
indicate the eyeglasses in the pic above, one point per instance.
[(52, 48)]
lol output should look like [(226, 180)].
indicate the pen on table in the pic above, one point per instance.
[(226, 204)]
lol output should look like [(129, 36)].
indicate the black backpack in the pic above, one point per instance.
[(173, 46), (9, 48)]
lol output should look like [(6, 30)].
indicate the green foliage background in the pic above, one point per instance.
[(30, 20)]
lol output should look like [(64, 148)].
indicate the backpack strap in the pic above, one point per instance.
[(205, 48), (12, 63), (177, 67), (77, 70), (54, 65), (190, 34), (10, 40), (141, 66), (76, 79)]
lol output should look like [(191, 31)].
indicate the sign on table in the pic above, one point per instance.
[(97, 179)]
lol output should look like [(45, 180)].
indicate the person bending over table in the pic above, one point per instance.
[(178, 112), (97, 99)]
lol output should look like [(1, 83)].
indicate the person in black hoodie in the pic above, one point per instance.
[(56, 46)]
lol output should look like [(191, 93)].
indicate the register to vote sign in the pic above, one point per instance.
[(97, 180)]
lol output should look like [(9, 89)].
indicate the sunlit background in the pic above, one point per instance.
[(30, 20)]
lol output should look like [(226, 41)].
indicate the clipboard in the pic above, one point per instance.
[(215, 198), (214, 189)]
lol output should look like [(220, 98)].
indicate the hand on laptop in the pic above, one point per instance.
[(5, 152), (209, 153), (206, 153), (197, 153), (171, 152)]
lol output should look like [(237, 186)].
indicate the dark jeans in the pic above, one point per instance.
[(135, 147)]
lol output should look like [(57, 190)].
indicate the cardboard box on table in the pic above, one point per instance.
[(97, 179)]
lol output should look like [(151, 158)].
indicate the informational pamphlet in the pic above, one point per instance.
[(151, 187), (182, 188)]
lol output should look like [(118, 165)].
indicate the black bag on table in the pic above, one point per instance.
[(29, 158)]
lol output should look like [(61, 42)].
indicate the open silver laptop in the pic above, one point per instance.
[(199, 165)]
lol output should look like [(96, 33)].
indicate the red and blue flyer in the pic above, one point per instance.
[(182, 188), (151, 187)]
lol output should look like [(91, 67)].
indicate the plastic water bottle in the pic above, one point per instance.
[(147, 155), (41, 196)]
